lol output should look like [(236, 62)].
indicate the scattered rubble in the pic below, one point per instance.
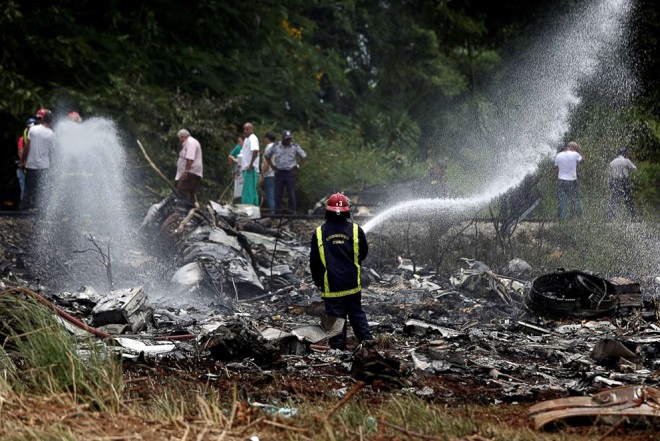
[(241, 295), (572, 294), (124, 306)]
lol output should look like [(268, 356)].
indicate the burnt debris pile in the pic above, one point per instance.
[(238, 294)]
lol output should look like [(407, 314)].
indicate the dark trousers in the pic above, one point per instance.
[(20, 174), (620, 190), (285, 179), (269, 192), (350, 306), (568, 195), (36, 181), (186, 188)]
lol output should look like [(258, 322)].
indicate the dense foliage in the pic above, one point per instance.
[(367, 87)]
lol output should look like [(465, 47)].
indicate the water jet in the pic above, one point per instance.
[(533, 106)]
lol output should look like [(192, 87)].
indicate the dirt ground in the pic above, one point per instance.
[(30, 416)]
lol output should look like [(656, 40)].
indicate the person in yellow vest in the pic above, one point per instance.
[(337, 250)]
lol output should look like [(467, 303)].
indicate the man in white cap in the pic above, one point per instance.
[(188, 167)]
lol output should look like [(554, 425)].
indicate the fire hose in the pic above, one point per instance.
[(74, 321)]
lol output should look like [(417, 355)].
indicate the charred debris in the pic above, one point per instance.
[(239, 294)]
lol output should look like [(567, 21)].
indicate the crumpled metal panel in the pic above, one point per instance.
[(220, 262), (214, 235), (626, 401), (217, 251)]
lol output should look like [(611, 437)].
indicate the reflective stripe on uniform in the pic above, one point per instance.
[(356, 248)]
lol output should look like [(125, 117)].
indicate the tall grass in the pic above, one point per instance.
[(51, 361), (7, 373), (620, 248)]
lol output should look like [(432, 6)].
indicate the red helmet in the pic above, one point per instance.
[(338, 203), (74, 116), (41, 112)]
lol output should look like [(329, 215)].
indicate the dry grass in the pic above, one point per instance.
[(41, 417)]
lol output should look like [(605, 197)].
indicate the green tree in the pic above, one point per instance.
[(399, 79)]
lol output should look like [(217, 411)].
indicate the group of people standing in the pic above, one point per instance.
[(34, 150), (619, 180), (275, 173), (338, 247)]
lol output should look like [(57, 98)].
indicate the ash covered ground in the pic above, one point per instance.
[(228, 300)]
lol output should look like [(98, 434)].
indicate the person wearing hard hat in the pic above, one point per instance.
[(338, 248), (36, 159), (74, 116)]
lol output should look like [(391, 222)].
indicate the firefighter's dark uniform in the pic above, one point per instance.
[(338, 248)]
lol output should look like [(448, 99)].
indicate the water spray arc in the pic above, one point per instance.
[(534, 106)]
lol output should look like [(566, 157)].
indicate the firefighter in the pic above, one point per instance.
[(338, 248)]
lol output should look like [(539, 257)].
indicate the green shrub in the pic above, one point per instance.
[(343, 163)]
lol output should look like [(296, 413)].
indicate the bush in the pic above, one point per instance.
[(343, 163)]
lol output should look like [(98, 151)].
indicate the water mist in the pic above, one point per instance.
[(533, 106), (84, 213)]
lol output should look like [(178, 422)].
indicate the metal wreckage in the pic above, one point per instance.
[(578, 346)]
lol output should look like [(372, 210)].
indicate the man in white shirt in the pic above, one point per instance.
[(620, 183), (36, 159), (566, 162)]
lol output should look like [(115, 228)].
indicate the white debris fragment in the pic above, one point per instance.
[(138, 346)]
